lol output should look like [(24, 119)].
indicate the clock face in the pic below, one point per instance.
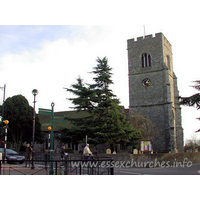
[(146, 82)]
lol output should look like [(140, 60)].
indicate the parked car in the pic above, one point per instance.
[(12, 156)]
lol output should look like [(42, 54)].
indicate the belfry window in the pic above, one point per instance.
[(146, 60), (168, 62)]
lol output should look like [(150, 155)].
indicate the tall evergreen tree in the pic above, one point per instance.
[(104, 121), (82, 123), (111, 125)]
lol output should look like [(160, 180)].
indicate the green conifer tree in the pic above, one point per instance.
[(103, 122)]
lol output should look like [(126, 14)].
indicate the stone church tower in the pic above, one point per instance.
[(153, 89)]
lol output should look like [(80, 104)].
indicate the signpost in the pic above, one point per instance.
[(51, 113)]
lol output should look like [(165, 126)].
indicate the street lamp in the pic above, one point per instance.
[(5, 140), (34, 92), (49, 137), (51, 150), (2, 117)]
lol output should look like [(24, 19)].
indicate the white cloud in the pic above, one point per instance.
[(58, 64)]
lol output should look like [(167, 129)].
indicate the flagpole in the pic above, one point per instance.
[(144, 31)]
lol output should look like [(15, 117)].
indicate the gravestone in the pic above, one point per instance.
[(108, 151), (135, 151)]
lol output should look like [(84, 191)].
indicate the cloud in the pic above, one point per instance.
[(58, 64), (16, 39)]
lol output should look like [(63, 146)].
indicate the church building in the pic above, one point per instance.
[(153, 92), (153, 89)]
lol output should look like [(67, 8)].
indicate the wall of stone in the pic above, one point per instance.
[(159, 100), (167, 160)]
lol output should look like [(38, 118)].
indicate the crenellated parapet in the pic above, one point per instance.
[(148, 39)]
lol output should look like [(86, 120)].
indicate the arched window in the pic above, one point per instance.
[(146, 60)]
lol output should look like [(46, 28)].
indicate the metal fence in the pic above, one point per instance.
[(81, 166)]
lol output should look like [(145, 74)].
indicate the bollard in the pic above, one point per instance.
[(112, 171)]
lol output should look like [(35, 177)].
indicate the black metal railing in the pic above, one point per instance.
[(75, 166)]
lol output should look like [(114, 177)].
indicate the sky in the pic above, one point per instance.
[(51, 57)]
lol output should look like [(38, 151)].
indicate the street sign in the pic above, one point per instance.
[(45, 112), (59, 119)]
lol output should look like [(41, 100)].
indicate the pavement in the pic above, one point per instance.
[(14, 169), (193, 169)]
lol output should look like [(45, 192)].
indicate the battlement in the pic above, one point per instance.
[(146, 37), (158, 37)]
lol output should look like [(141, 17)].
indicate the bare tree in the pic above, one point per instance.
[(141, 122), (193, 142)]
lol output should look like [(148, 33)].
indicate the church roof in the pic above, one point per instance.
[(45, 120)]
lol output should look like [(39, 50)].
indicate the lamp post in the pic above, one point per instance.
[(49, 139), (6, 122), (34, 92), (51, 151), (4, 91)]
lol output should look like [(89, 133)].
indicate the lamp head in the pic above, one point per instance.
[(6, 122), (35, 92)]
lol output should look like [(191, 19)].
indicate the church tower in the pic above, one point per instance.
[(153, 89)]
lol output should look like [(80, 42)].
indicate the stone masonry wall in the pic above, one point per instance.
[(158, 101)]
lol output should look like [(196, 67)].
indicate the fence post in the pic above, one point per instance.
[(80, 168), (112, 171), (56, 168)]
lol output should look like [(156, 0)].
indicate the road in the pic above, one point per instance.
[(194, 169)]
